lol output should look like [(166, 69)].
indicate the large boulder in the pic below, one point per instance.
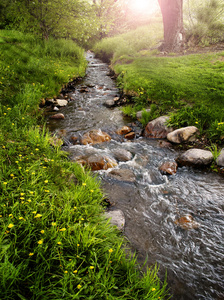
[(195, 157), (95, 136), (220, 159), (157, 128), (186, 134)]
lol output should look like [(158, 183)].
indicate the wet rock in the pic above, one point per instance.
[(123, 175), (73, 139), (186, 134), (95, 136), (49, 102), (57, 117), (220, 159), (56, 108), (187, 222), (60, 102), (109, 103), (84, 89), (130, 136), (117, 218), (195, 157), (157, 128), (168, 168), (124, 130), (164, 144), (122, 154), (116, 99), (139, 113), (99, 162)]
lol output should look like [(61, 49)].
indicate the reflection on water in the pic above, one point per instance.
[(153, 204)]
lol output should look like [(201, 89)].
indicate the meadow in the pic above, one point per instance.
[(55, 242)]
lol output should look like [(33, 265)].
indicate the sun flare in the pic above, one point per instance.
[(144, 6)]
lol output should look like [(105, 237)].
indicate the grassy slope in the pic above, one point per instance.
[(188, 87), (54, 241)]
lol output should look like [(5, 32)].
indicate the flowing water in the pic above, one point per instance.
[(193, 258)]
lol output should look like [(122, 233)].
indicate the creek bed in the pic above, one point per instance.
[(152, 204)]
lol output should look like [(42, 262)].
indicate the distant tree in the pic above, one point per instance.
[(172, 13)]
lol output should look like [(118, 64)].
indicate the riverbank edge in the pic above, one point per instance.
[(51, 211), (131, 98)]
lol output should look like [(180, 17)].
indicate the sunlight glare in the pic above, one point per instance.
[(144, 6)]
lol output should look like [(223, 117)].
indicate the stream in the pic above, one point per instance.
[(193, 258)]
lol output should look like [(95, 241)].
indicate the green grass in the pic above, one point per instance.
[(189, 87), (55, 242)]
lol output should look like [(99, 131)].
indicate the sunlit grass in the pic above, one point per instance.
[(55, 242)]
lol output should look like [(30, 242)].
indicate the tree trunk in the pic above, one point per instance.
[(172, 12)]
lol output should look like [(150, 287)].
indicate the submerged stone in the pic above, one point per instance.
[(168, 168), (187, 222), (95, 136)]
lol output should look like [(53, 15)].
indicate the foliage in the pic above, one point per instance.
[(148, 116), (130, 44), (55, 242), (204, 21)]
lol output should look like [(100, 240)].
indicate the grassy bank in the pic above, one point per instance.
[(189, 87), (54, 241)]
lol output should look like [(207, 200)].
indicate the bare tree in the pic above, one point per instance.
[(172, 12)]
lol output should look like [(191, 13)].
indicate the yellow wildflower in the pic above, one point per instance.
[(38, 216), (53, 224), (59, 243), (111, 250), (31, 254), (91, 267), (153, 289), (40, 242), (62, 229), (75, 271), (79, 286), (10, 225), (42, 231), (46, 181)]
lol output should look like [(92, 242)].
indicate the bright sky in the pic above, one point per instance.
[(144, 6)]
